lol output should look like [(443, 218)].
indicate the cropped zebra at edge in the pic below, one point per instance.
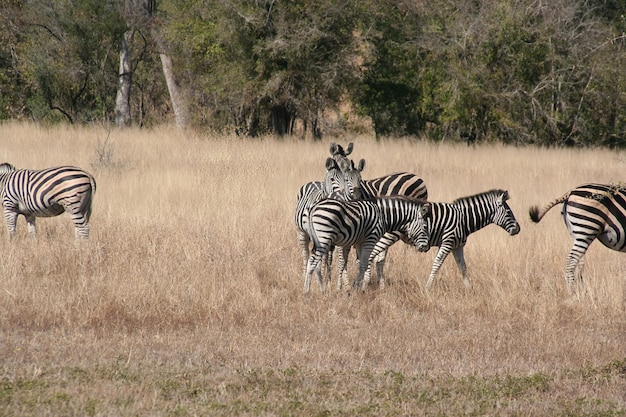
[(450, 224), (362, 224), (47, 193), (590, 211)]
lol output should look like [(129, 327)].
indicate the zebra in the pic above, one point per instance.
[(450, 224), (362, 224), (47, 193), (590, 211), (309, 194), (403, 184)]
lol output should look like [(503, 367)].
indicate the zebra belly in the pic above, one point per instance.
[(50, 211)]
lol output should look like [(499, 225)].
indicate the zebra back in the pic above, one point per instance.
[(399, 183)]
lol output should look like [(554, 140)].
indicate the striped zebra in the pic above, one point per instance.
[(402, 184), (309, 194), (362, 224), (590, 211), (46, 193), (450, 224)]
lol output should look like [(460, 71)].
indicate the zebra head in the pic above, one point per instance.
[(352, 179), (503, 215), (334, 179), (417, 232)]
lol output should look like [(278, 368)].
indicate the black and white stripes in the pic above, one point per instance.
[(46, 193), (450, 224), (590, 211), (362, 224)]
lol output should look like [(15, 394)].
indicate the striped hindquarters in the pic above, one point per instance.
[(343, 223), (598, 210)]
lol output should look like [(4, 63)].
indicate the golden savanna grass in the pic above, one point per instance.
[(187, 300)]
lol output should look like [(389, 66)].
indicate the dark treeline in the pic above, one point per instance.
[(517, 71)]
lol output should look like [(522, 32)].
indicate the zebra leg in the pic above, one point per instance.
[(576, 254), (82, 232), (365, 256), (11, 219), (441, 256), (329, 263), (581, 267), (313, 266), (342, 264), (460, 261), (380, 266), (32, 227), (304, 240)]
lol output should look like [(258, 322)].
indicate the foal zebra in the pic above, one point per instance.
[(450, 224), (590, 211), (46, 193), (362, 224)]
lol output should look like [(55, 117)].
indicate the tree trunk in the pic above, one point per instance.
[(179, 104), (122, 101)]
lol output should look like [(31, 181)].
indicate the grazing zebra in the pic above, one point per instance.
[(309, 194), (450, 224), (362, 224), (46, 193), (402, 184), (590, 211)]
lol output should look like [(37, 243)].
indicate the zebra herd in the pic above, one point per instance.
[(372, 215), (345, 211)]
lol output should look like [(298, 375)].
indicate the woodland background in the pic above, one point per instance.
[(530, 71)]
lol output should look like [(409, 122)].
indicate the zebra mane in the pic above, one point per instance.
[(494, 193), (6, 168)]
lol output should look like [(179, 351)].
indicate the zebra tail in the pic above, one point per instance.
[(537, 214), (85, 206)]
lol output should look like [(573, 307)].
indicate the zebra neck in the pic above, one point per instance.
[(475, 216)]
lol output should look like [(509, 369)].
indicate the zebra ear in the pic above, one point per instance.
[(330, 164), (333, 148), (361, 164), (504, 196), (349, 148), (425, 209)]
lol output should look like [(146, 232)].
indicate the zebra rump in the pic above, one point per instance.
[(590, 211)]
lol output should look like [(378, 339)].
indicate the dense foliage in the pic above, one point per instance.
[(550, 73)]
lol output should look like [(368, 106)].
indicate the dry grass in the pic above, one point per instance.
[(187, 299)]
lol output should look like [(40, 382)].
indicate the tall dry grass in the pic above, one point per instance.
[(193, 264)]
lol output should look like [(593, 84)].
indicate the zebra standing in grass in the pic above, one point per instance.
[(362, 224), (402, 184), (309, 194), (590, 211), (46, 193), (450, 224)]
